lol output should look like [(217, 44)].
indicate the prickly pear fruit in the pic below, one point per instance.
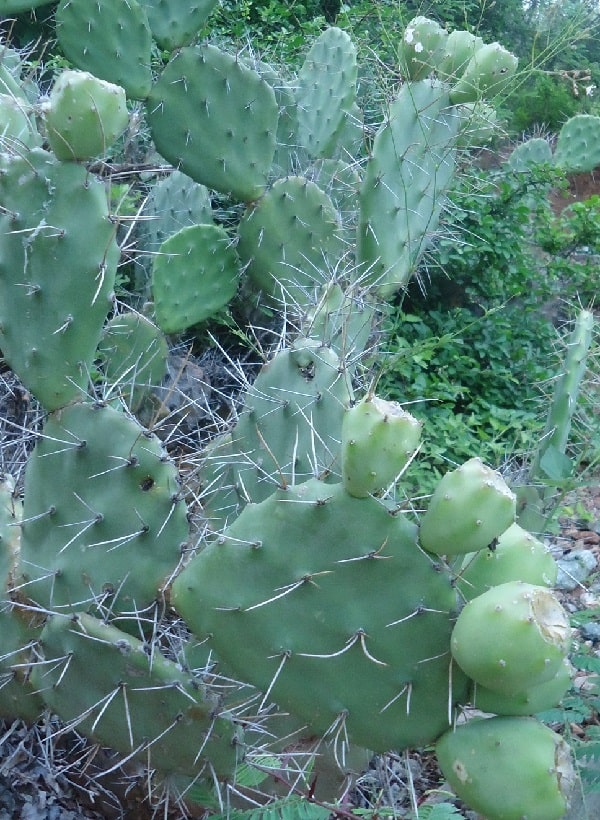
[(470, 507), (486, 73), (422, 44), (378, 439), (511, 637), (84, 115), (508, 768), (530, 701), (515, 556), (459, 48)]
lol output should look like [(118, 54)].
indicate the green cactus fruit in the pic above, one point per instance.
[(578, 144), (516, 555), (111, 40), (459, 48), (58, 259), (18, 627), (378, 439), (513, 636), (403, 192), (508, 768), (133, 355), (528, 154), (486, 73), (109, 534), (421, 47), (290, 241), (531, 701), (17, 128), (175, 23), (194, 275), (216, 120), (286, 595), (84, 115), (469, 508), (122, 693), (326, 91)]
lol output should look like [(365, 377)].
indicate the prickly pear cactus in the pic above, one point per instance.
[(296, 573)]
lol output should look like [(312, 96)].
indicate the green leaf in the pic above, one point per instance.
[(556, 465)]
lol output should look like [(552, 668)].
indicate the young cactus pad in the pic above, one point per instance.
[(216, 120), (410, 168), (508, 768), (110, 532), (511, 637), (470, 507), (326, 91), (194, 275), (175, 23), (378, 439), (290, 241), (326, 603), (84, 115)]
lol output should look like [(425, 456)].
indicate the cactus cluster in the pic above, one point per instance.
[(311, 584)]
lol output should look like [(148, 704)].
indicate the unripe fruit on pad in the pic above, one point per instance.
[(84, 115), (422, 44), (508, 768), (378, 439), (486, 74), (531, 701), (515, 556), (511, 637), (470, 507)]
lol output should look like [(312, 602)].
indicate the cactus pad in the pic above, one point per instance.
[(286, 596), (109, 534), (216, 120), (194, 275), (111, 40), (58, 259)]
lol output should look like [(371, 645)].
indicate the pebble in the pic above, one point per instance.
[(590, 632), (574, 569)]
